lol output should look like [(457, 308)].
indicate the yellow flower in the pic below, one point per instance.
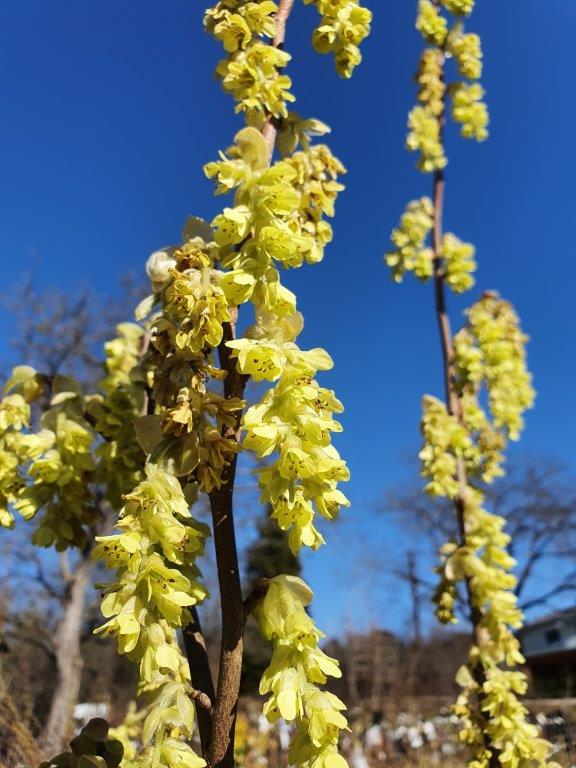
[(409, 238), (342, 28), (467, 51), (430, 23), (469, 110), (424, 137), (459, 7)]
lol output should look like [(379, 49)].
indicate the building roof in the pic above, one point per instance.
[(551, 618)]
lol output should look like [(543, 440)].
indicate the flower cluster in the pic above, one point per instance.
[(294, 420), (491, 715), (186, 431), (488, 352), (430, 23), (83, 441), (459, 7), (426, 119), (469, 110), (235, 23), (16, 447), (180, 424), (317, 174), (297, 668), (491, 350), (252, 70), (431, 87), (410, 253), (113, 413), (277, 218), (459, 264), (61, 474), (445, 442), (156, 583), (343, 26), (467, 50), (425, 137)]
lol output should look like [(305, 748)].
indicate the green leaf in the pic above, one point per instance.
[(178, 456), (196, 227), (149, 432), (96, 729), (65, 384)]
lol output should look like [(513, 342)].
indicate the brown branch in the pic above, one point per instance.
[(453, 401), (537, 552), (568, 584), (270, 127), (27, 632), (221, 750), (200, 676)]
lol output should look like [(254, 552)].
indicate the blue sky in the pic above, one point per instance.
[(110, 111)]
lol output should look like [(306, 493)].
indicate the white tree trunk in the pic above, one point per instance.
[(55, 735)]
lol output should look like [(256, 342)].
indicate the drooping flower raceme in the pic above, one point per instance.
[(469, 110), (459, 7), (293, 421), (488, 388), (297, 668), (431, 24), (156, 584), (412, 253), (467, 50), (343, 26), (250, 73), (426, 120)]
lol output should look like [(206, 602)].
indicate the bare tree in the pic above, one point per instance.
[(538, 499), (59, 331)]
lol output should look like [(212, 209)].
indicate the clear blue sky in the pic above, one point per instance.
[(110, 110)]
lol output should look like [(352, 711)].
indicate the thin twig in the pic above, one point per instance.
[(200, 676), (270, 127)]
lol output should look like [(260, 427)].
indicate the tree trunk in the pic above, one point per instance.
[(68, 660)]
